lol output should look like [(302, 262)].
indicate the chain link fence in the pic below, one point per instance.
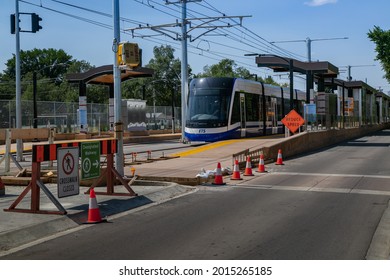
[(64, 116)]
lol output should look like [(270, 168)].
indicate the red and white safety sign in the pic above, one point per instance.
[(68, 171)]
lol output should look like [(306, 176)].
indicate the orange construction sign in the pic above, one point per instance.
[(293, 121)]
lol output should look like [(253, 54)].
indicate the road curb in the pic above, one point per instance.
[(380, 245)]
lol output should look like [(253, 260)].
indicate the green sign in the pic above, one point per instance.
[(90, 160)]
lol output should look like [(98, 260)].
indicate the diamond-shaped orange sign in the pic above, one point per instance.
[(293, 121)]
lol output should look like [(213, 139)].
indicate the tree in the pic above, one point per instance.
[(50, 66), (270, 81), (382, 40), (39, 60), (166, 77), (165, 83), (226, 68)]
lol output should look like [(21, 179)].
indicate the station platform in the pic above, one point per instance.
[(187, 165), (180, 165)]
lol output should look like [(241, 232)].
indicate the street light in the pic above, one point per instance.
[(290, 62)]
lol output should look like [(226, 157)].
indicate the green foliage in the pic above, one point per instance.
[(382, 40), (270, 81), (42, 61), (225, 68), (165, 83), (50, 66), (228, 68)]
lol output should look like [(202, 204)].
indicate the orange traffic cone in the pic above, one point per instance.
[(279, 160), (236, 171), (248, 167), (218, 180), (93, 211), (261, 168)]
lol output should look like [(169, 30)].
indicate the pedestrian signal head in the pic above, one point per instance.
[(129, 54)]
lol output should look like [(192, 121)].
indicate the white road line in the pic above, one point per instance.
[(312, 189), (331, 175)]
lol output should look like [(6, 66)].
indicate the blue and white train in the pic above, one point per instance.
[(226, 108)]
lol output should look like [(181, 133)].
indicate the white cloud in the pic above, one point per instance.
[(316, 3)]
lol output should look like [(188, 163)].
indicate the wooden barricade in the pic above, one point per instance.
[(29, 134), (48, 152), (242, 156)]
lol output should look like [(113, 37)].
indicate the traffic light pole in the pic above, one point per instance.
[(119, 159), (18, 109), (184, 69)]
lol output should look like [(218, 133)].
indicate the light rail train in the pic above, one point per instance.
[(226, 108)]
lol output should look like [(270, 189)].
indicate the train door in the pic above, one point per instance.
[(274, 115), (242, 114)]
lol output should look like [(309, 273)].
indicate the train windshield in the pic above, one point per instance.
[(208, 106)]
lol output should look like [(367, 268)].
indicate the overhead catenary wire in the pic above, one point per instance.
[(232, 36), (108, 15), (252, 44)]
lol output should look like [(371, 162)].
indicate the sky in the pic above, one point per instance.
[(83, 29)]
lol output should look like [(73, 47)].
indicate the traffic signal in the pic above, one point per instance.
[(13, 24), (35, 20)]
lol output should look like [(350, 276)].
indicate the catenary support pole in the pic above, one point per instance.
[(117, 91), (184, 67), (18, 109)]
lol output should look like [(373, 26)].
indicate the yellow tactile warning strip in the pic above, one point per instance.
[(206, 147), (222, 143)]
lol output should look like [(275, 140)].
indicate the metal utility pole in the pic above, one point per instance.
[(18, 109), (184, 68), (349, 77), (119, 160), (205, 23), (308, 43)]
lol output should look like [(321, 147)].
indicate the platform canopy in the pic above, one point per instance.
[(350, 84), (320, 69), (103, 75)]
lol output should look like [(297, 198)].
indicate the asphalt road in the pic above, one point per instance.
[(324, 205)]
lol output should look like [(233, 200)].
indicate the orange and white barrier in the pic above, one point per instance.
[(279, 160), (261, 168), (93, 211), (218, 179), (236, 171), (248, 167)]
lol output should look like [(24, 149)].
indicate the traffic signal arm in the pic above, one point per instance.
[(35, 23)]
